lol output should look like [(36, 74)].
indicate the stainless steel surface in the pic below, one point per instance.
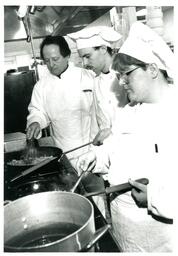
[(37, 212), (34, 212), (53, 20)]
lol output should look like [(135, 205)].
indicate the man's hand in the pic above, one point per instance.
[(33, 131), (139, 193), (86, 162), (101, 136)]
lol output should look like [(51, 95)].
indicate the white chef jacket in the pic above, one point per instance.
[(67, 104), (108, 97), (138, 133)]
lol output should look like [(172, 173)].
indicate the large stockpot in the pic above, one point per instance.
[(49, 222), (53, 221)]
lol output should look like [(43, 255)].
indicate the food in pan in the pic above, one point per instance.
[(32, 161)]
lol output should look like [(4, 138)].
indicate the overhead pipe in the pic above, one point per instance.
[(32, 45), (23, 14)]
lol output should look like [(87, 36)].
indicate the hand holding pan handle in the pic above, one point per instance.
[(119, 189)]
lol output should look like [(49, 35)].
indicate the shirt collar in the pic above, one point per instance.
[(63, 72)]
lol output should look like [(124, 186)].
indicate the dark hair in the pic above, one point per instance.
[(57, 40), (121, 63), (109, 50)]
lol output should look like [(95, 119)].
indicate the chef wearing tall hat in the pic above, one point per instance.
[(144, 144), (95, 46)]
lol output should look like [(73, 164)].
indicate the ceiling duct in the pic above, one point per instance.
[(47, 20)]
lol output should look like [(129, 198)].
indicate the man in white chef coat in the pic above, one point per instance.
[(95, 46), (63, 99), (144, 144)]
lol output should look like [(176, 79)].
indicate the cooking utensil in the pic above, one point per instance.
[(71, 150), (30, 151), (46, 161), (29, 217), (77, 182), (50, 222), (120, 189)]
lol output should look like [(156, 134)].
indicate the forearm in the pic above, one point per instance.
[(102, 159)]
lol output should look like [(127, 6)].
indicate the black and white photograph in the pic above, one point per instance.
[(89, 126)]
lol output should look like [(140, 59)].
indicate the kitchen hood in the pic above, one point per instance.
[(48, 20)]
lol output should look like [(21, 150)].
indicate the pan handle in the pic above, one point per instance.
[(98, 234), (77, 182), (73, 149), (120, 189), (34, 168), (125, 187), (82, 146)]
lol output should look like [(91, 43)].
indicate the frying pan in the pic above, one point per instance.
[(54, 153)]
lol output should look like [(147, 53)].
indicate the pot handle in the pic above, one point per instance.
[(125, 187), (122, 188), (98, 234)]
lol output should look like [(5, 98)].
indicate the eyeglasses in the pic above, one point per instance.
[(125, 74), (130, 71), (123, 78)]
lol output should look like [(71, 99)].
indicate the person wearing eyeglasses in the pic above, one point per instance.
[(143, 144), (63, 99)]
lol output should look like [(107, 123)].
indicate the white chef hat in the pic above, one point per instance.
[(146, 45), (95, 36)]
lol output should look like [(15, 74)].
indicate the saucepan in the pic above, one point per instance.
[(53, 222)]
